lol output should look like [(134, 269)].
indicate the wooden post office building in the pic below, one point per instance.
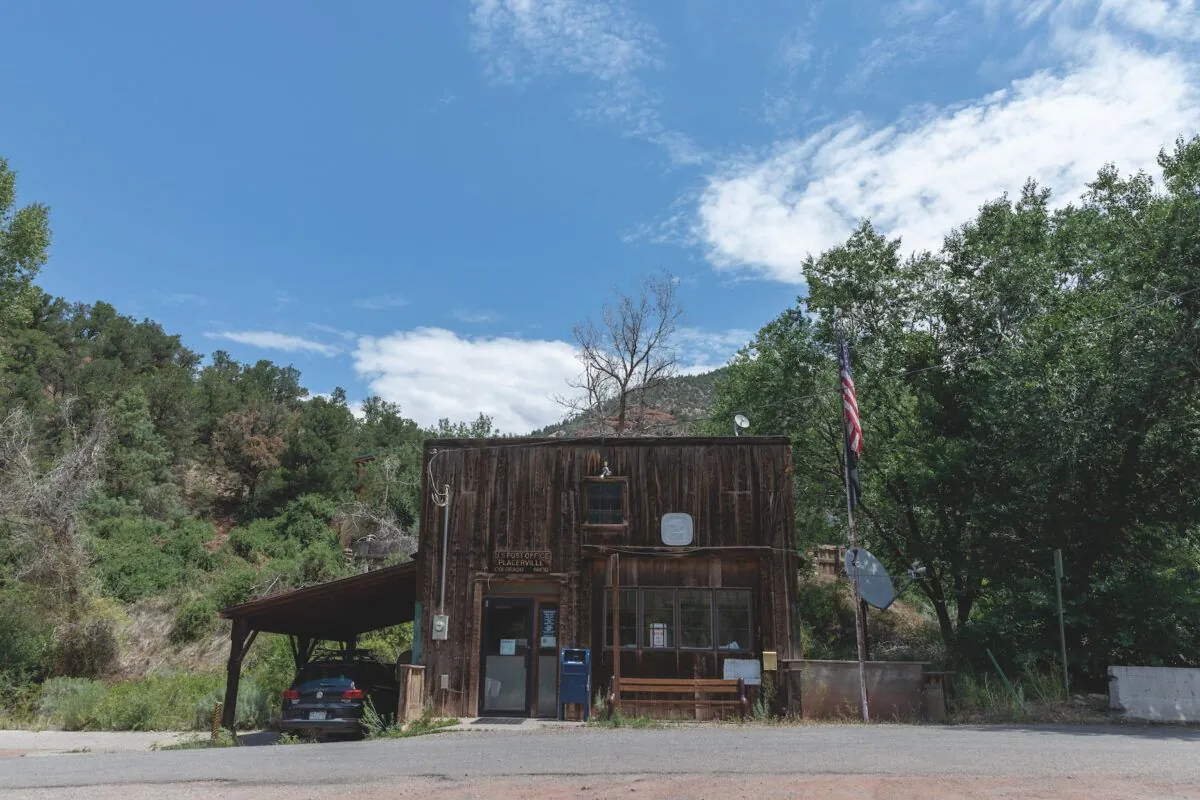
[(515, 563)]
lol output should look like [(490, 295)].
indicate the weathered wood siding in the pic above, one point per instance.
[(528, 495)]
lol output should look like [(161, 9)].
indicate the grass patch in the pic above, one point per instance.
[(175, 702), (377, 727), (1032, 696), (618, 720), (224, 739)]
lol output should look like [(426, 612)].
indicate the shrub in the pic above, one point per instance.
[(84, 648), (70, 703), (24, 638), (178, 701), (235, 585), (260, 538), (321, 561), (132, 560), (19, 699), (306, 519), (193, 622), (126, 707), (187, 544)]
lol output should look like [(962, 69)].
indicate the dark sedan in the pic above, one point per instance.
[(328, 697)]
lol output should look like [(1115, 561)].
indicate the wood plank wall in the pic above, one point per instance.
[(528, 495)]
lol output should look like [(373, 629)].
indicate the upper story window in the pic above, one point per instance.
[(604, 501)]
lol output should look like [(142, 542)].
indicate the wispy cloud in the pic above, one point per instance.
[(272, 340), (380, 302), (703, 350), (598, 40), (1111, 101), (339, 332), (920, 42), (474, 317)]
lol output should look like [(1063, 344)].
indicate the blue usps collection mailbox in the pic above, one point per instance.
[(574, 679)]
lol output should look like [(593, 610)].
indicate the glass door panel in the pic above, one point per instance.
[(507, 651)]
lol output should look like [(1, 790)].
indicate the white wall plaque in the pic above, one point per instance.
[(677, 530), (748, 669)]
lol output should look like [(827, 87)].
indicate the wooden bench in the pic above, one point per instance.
[(689, 692)]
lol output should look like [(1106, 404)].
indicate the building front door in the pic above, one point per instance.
[(508, 648)]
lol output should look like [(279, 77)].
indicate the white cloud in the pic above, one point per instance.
[(1177, 20), (1168, 19), (270, 340), (600, 40), (922, 176), (703, 350), (380, 302), (434, 373)]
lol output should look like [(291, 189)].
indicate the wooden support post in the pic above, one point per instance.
[(412, 693), (614, 565), (240, 639)]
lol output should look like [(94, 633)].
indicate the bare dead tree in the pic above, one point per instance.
[(40, 498), (627, 354), (378, 528)]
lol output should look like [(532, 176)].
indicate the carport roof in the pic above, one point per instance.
[(337, 610)]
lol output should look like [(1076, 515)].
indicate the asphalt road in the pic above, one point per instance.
[(1157, 762)]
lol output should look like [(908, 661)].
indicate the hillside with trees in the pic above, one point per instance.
[(142, 487)]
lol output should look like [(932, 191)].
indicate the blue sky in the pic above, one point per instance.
[(420, 199)]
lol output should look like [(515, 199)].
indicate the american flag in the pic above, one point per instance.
[(852, 427)]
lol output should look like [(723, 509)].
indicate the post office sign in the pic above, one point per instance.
[(521, 560)]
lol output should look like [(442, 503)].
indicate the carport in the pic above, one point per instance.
[(337, 611)]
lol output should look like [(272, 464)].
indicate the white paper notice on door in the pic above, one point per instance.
[(508, 647), (658, 634)]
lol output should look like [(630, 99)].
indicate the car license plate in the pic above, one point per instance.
[(316, 715)]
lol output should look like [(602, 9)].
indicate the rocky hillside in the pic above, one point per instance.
[(674, 408)]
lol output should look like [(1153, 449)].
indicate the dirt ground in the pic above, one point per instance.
[(659, 787)]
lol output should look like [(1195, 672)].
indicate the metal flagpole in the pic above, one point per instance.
[(860, 634)]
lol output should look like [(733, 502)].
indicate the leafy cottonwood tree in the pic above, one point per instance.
[(1030, 386)]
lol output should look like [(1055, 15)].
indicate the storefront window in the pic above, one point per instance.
[(658, 618), (695, 618), (629, 615), (689, 619), (733, 619)]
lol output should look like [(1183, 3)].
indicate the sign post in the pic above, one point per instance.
[(1062, 632)]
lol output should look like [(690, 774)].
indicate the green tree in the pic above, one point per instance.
[(24, 245), (138, 463)]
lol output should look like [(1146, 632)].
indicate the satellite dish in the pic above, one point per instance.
[(740, 422), (874, 583)]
